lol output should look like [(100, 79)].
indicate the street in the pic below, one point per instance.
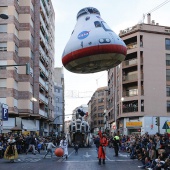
[(86, 159)]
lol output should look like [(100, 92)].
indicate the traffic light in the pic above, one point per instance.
[(157, 121), (28, 68)]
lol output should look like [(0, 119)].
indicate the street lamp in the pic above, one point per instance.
[(4, 16), (33, 99)]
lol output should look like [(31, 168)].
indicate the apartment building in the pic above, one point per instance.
[(98, 109), (140, 84), (27, 36), (59, 108)]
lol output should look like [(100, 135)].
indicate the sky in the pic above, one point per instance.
[(119, 15)]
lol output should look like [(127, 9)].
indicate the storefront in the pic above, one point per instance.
[(133, 127)]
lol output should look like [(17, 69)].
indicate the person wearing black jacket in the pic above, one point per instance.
[(97, 142), (32, 143)]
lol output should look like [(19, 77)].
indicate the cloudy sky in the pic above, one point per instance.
[(119, 15)]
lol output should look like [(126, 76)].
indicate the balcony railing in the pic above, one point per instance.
[(130, 77), (43, 54), (43, 98), (130, 109), (43, 113), (43, 83), (130, 29), (43, 69), (44, 39), (44, 11), (133, 92), (129, 62), (43, 23)]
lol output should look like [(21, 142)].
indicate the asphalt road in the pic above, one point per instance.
[(86, 159)]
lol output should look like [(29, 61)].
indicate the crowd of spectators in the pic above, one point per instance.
[(153, 151), (24, 141)]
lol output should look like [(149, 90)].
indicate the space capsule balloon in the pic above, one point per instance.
[(93, 46)]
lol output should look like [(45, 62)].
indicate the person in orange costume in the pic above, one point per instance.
[(102, 147)]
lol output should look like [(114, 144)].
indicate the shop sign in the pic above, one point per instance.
[(130, 124)]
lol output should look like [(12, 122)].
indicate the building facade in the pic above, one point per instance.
[(98, 107), (59, 109), (140, 84), (27, 36)]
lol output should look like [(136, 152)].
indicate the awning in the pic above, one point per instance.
[(29, 125), (7, 125)]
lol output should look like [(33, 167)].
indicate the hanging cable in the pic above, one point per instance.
[(159, 6)]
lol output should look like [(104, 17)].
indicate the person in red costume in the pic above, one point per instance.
[(102, 147)]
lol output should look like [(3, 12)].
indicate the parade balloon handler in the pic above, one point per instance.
[(11, 151), (102, 147), (50, 145), (64, 146)]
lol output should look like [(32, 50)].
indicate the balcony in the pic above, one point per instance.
[(43, 24), (43, 98), (43, 83), (129, 62), (132, 45), (43, 54), (43, 69), (133, 77), (130, 109), (130, 93), (44, 11), (44, 40), (43, 113)]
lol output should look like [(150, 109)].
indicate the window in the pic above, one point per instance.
[(3, 28), (168, 106), (3, 46), (45, 125), (2, 82), (97, 24), (100, 107), (100, 93), (168, 59), (101, 100), (168, 91), (100, 114), (106, 27), (167, 75), (4, 10), (167, 44)]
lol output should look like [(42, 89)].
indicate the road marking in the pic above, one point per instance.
[(106, 161), (108, 158), (87, 155)]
